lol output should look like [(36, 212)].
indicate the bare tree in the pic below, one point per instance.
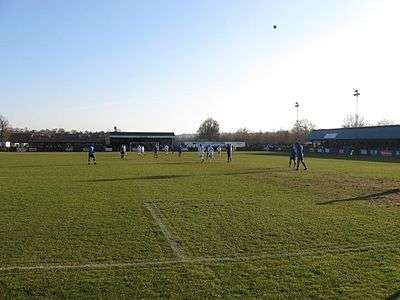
[(351, 121), (301, 130), (208, 130), (303, 125), (242, 134), (4, 128)]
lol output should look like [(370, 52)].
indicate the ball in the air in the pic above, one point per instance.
[(275, 27)]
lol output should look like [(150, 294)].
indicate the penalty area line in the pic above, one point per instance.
[(201, 260), (156, 214)]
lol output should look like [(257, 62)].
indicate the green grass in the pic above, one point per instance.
[(249, 229)]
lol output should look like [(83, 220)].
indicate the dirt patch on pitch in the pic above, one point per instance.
[(390, 200)]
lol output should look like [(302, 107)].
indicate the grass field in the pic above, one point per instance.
[(174, 228)]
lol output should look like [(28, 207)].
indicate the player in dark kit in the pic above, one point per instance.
[(180, 150), (300, 156), (229, 150), (123, 151), (292, 156), (155, 150), (91, 154)]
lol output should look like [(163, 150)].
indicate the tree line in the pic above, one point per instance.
[(210, 130), (7, 132)]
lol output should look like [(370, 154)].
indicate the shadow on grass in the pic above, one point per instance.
[(266, 153), (169, 163), (155, 177), (394, 296), (38, 166), (161, 177), (362, 198), (254, 171), (5, 292)]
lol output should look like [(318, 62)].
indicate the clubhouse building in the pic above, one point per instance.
[(146, 139)]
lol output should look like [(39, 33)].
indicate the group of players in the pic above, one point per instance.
[(205, 153), (296, 155)]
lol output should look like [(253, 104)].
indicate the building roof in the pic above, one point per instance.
[(116, 135), (56, 137), (361, 133)]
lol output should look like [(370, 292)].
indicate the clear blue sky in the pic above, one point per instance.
[(167, 65)]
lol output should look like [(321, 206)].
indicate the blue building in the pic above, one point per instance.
[(374, 140)]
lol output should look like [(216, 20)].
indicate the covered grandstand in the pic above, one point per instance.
[(54, 141), (133, 139), (374, 140), (47, 140)]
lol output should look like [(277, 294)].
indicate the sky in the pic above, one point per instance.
[(167, 65)]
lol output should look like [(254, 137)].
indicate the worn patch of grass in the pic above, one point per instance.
[(57, 210)]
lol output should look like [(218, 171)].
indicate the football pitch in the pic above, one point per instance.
[(175, 228)]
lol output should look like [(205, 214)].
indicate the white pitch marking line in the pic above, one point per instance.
[(199, 260), (155, 213)]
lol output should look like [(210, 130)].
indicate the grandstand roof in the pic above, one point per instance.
[(361, 133), (56, 137)]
